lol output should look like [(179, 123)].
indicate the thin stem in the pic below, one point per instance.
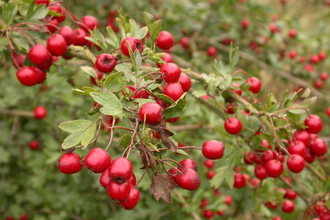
[(98, 130), (17, 112), (311, 168), (170, 165), (111, 135), (128, 149), (275, 136)]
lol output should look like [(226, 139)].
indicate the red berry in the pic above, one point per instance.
[(18, 59), (327, 111), (271, 205), (267, 156), (27, 76), (322, 55), (170, 72), (39, 112), (57, 8), (208, 214), (9, 217), (70, 163), (184, 43), (23, 217), (89, 23), (239, 180), (255, 182), (289, 194), (260, 172), (210, 174), (274, 168), (204, 203), (165, 40), (324, 76), (39, 54), (41, 74), (228, 200), (132, 180), (318, 84), (142, 94), (185, 82), (99, 77), (245, 24), (104, 178), (318, 147), (135, 43), (209, 163), (120, 170), (189, 180), (173, 90), (272, 28), (248, 157), (255, 84), (68, 34), (309, 158), (297, 147), (173, 174), (45, 2), (79, 37), (213, 149), (52, 25), (34, 145), (233, 125), (303, 136), (292, 54), (97, 160), (295, 163), (314, 59), (211, 52), (187, 164), (105, 63), (151, 113), (314, 124), (132, 199), (288, 206), (277, 218), (237, 91), (56, 45), (292, 33), (167, 58), (119, 191)]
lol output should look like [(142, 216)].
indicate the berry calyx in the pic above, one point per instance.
[(97, 160), (70, 163), (134, 42), (233, 125), (165, 40), (105, 63), (213, 149), (295, 163), (151, 113), (56, 45), (39, 112), (120, 170)]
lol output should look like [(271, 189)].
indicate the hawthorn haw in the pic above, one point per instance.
[(260, 172), (274, 168), (34, 145), (57, 45), (211, 52), (233, 125), (170, 72), (57, 8), (295, 163), (289, 194), (210, 174), (89, 23), (208, 214), (309, 158), (120, 170), (39, 112), (119, 191), (314, 124), (238, 91), (135, 43), (97, 160), (104, 178), (288, 206), (151, 113), (70, 163), (228, 200), (318, 147), (185, 82), (164, 40), (79, 36), (39, 54), (213, 149), (45, 2), (167, 58), (303, 136), (18, 59), (68, 34), (105, 63), (189, 180), (324, 76), (297, 147), (209, 163), (27, 76), (239, 180), (187, 164), (173, 90), (132, 200), (255, 84)]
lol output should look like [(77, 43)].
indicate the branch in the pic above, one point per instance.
[(311, 168), (80, 52), (17, 112)]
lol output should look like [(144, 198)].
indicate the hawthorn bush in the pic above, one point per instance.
[(164, 110)]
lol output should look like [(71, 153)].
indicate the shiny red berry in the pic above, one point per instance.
[(135, 43), (89, 23), (318, 147), (68, 34), (27, 76), (119, 191), (213, 149), (233, 125), (39, 54), (105, 63), (255, 84), (288, 206), (165, 40), (97, 160), (120, 170), (295, 163), (185, 82), (132, 200), (189, 180), (173, 90), (170, 72), (151, 113), (274, 168), (314, 124), (70, 163), (57, 45), (40, 112)]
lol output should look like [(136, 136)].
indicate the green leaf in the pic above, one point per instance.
[(199, 93), (133, 27), (125, 140), (98, 39), (142, 32), (149, 18), (113, 41), (9, 12), (85, 90), (154, 29), (175, 110), (82, 131), (164, 98), (182, 152), (220, 175), (230, 178), (113, 82), (89, 71), (233, 58), (298, 109), (111, 104)]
